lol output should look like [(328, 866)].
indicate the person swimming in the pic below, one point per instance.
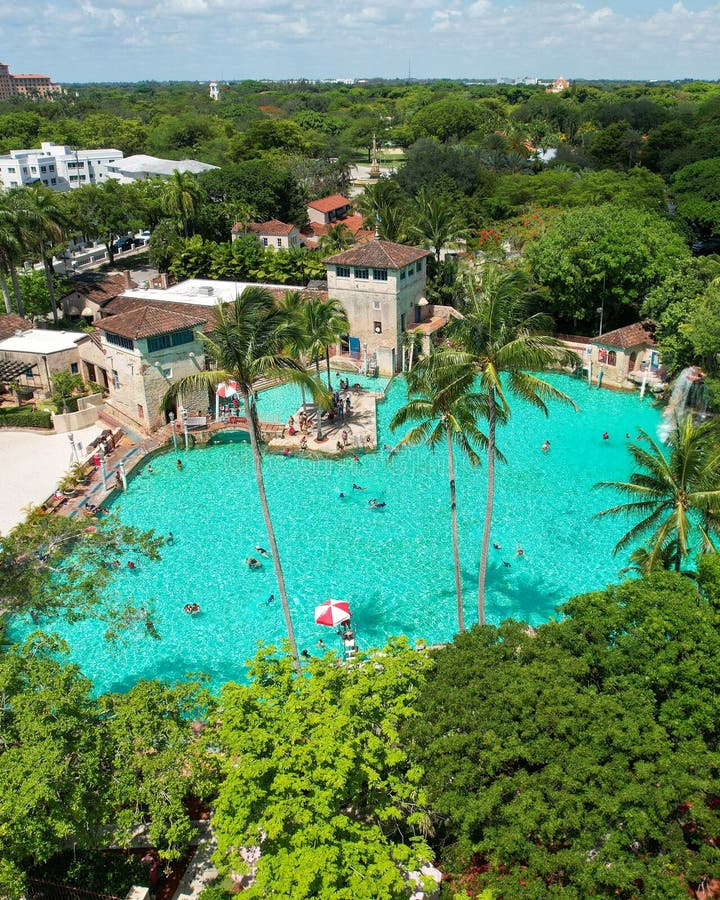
[(262, 551), (270, 599), (496, 545), (357, 487), (191, 608), (545, 447), (170, 540), (253, 563), (373, 504)]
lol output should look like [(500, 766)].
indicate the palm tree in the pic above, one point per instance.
[(434, 222), (249, 342), (337, 238), (675, 496), (9, 249), (506, 338), (182, 198), (45, 218), (446, 407), (324, 322)]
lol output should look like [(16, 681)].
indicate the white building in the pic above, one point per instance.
[(139, 167), (57, 166)]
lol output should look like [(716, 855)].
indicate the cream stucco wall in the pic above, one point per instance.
[(367, 301), (144, 378)]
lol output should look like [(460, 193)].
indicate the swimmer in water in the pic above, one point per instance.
[(253, 563), (496, 545), (606, 436), (170, 539), (270, 599), (520, 552), (262, 551), (357, 487), (545, 447)]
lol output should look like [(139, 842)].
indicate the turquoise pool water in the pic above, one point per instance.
[(393, 564), (279, 403)]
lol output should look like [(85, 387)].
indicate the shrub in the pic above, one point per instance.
[(21, 417)]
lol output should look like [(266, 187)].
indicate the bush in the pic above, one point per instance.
[(21, 417), (110, 872)]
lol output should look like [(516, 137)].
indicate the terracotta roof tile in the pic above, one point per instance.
[(273, 226), (10, 323), (125, 304), (148, 321), (629, 336), (328, 204), (100, 289), (380, 254)]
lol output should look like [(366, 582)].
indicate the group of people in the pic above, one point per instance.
[(192, 608), (253, 563)]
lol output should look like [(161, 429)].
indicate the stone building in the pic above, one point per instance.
[(625, 355), (145, 349), (41, 353), (382, 286)]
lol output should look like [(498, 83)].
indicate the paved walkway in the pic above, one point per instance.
[(360, 426), (32, 464)]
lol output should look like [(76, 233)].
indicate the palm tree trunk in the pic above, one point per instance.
[(5, 292), (488, 506), (453, 520), (257, 462), (49, 279), (327, 359), (16, 288)]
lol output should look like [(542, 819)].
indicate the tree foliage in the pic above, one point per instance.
[(317, 778), (580, 759)]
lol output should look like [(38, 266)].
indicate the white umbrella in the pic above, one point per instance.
[(332, 612)]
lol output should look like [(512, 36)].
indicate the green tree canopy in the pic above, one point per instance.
[(580, 759), (696, 189), (592, 254), (317, 778)]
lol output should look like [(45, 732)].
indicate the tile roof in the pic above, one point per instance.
[(10, 323), (121, 305), (272, 226), (100, 289), (353, 224), (148, 321), (629, 336), (328, 204), (379, 254)]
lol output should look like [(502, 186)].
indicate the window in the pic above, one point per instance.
[(279, 242), (402, 322), (377, 327), (43, 168), (118, 340), (116, 380), (141, 412), (612, 358), (11, 169), (51, 168), (377, 304), (363, 274), (53, 181), (380, 274), (74, 368), (418, 265), (343, 271), (402, 274), (265, 243), (165, 341)]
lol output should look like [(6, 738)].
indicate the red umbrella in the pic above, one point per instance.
[(332, 612), (227, 391)]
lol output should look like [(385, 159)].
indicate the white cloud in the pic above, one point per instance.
[(455, 38)]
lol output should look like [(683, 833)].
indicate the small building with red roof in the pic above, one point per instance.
[(625, 355), (272, 233)]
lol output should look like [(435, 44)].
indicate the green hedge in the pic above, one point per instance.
[(24, 418)]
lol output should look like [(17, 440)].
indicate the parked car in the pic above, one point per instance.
[(706, 246), (123, 244)]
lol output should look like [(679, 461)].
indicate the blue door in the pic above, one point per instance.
[(355, 347)]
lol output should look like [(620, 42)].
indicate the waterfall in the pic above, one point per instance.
[(688, 397)]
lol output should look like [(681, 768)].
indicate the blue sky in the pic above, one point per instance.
[(132, 40)]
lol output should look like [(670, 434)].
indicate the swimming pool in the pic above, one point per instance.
[(279, 403), (393, 565)]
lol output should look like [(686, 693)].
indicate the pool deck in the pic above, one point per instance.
[(360, 426)]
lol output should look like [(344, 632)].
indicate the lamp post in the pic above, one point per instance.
[(123, 476), (185, 428), (172, 426), (71, 438), (103, 470)]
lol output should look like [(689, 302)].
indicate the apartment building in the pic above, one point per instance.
[(59, 167)]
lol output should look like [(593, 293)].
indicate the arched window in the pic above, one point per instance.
[(612, 358)]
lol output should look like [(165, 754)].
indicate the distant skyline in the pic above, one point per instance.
[(177, 40)]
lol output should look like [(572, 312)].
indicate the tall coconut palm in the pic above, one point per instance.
[(506, 338), (434, 222), (676, 496), (292, 303), (444, 403), (45, 219), (9, 249), (324, 322), (249, 342), (182, 198)]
